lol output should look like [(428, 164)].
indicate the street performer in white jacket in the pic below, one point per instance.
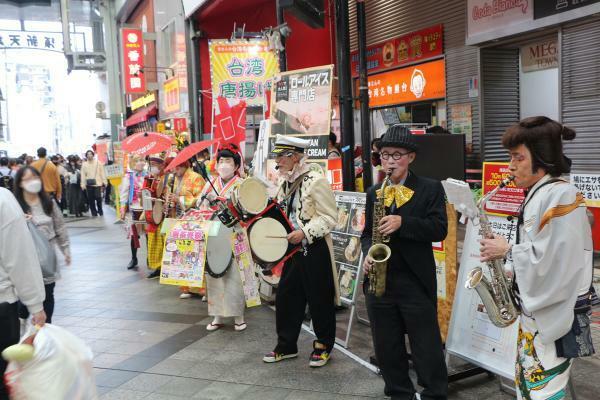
[(309, 276), (551, 261)]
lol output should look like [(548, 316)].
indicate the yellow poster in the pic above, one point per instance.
[(184, 255), (242, 69)]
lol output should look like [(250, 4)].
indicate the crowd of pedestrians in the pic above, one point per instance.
[(76, 184)]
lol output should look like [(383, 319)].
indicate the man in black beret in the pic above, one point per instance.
[(415, 216)]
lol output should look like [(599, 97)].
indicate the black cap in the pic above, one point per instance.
[(399, 136)]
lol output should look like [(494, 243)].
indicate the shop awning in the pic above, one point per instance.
[(141, 115)]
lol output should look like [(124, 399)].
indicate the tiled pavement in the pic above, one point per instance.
[(149, 344)]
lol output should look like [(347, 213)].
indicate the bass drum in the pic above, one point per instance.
[(219, 254), (267, 236)]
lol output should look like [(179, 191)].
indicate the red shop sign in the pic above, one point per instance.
[(415, 46), (180, 124), (506, 201), (133, 60)]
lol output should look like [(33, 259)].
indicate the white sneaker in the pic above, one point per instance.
[(185, 295)]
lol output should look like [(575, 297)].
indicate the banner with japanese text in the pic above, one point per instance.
[(407, 49), (241, 69), (301, 106), (52, 41), (184, 254), (132, 44), (589, 186), (507, 200)]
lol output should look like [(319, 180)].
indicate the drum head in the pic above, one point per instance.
[(252, 196), (266, 248), (218, 251)]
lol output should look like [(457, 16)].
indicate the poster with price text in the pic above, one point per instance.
[(346, 241)]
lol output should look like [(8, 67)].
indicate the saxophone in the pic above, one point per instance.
[(495, 293), (379, 251)]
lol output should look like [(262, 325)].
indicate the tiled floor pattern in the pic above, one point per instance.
[(149, 344)]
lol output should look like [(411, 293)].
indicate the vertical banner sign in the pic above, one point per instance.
[(346, 241), (171, 103), (133, 60), (507, 200), (241, 69), (301, 106), (334, 173)]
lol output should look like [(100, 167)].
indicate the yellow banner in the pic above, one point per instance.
[(171, 95), (142, 101), (242, 69)]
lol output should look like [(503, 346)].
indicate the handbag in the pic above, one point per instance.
[(92, 181), (578, 341), (45, 251)]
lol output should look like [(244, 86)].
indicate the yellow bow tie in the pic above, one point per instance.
[(398, 193)]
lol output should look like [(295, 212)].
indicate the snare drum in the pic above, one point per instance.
[(267, 236), (219, 254)]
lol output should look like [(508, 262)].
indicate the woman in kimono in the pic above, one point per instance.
[(551, 260), (225, 295)]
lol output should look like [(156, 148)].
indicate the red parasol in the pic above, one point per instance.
[(188, 152), (145, 143)]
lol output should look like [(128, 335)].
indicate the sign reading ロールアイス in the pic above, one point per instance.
[(133, 60)]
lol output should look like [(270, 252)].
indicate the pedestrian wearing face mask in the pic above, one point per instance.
[(47, 217), (225, 294)]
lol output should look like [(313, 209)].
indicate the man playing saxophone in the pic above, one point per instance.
[(414, 217), (551, 260)]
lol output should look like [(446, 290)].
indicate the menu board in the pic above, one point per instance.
[(346, 241)]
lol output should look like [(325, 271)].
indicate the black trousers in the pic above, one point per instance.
[(306, 279), (9, 335), (410, 312), (48, 304), (94, 196)]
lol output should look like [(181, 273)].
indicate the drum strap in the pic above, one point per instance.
[(290, 193)]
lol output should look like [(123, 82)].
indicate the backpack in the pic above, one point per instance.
[(6, 181)]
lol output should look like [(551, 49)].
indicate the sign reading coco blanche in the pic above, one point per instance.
[(490, 15), (425, 81), (539, 55), (416, 46)]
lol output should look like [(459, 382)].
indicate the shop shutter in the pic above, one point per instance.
[(500, 91), (580, 75), (388, 19)]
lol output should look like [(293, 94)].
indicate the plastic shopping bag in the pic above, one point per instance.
[(61, 368)]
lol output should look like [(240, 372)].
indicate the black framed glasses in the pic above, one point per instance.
[(395, 155)]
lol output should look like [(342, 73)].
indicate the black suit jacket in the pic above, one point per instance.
[(424, 221)]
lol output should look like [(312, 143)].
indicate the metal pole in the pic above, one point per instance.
[(282, 56), (345, 82), (365, 120), (195, 98)]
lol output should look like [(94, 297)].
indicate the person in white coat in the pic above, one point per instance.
[(309, 276), (551, 261), (20, 276)]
